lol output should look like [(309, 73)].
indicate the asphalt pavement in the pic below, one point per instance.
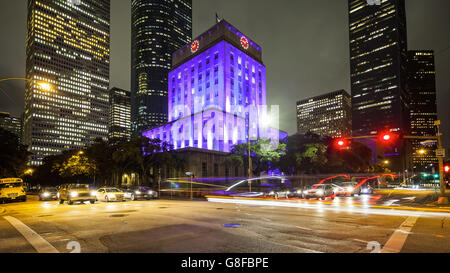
[(345, 225)]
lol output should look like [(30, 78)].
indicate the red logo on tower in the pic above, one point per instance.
[(194, 46), (244, 42)]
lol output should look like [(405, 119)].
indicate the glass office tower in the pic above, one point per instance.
[(326, 115), (158, 29), (423, 112), (380, 100), (119, 115), (68, 47)]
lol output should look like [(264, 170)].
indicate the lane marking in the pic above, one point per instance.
[(398, 239), (307, 229), (38, 243)]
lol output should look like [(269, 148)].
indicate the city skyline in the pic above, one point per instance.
[(294, 82)]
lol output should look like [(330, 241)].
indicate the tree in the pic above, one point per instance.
[(13, 155), (264, 155), (77, 166)]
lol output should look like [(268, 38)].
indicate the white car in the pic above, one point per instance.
[(109, 194)]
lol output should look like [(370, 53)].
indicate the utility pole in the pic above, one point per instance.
[(249, 152), (440, 153)]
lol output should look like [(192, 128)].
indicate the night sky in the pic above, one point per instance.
[(304, 42)]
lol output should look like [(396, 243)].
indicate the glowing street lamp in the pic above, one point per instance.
[(29, 172), (421, 152), (44, 86)]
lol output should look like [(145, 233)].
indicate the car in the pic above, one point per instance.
[(72, 193), (278, 193), (109, 194), (367, 190), (348, 189), (319, 191), (48, 193), (296, 192), (139, 193)]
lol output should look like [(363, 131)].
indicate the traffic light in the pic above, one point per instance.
[(446, 168), (387, 138), (341, 143)]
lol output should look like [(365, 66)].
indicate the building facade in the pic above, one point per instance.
[(217, 93), (423, 111), (326, 115), (380, 101), (67, 47), (159, 28), (11, 124), (119, 115)]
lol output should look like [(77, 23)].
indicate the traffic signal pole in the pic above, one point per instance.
[(443, 199)]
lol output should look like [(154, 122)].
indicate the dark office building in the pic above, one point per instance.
[(119, 114), (158, 29), (11, 124), (378, 49), (423, 111), (326, 115), (68, 49)]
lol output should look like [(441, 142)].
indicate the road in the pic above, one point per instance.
[(177, 226)]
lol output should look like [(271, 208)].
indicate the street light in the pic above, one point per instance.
[(29, 172), (421, 152), (45, 86)]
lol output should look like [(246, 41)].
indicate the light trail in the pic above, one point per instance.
[(337, 207)]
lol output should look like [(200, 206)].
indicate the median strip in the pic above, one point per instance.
[(38, 243)]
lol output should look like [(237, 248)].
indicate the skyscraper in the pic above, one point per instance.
[(11, 124), (68, 47), (158, 29), (119, 114), (378, 48), (423, 112), (326, 115)]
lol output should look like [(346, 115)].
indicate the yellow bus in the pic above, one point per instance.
[(12, 189)]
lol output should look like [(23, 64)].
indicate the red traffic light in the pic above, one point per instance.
[(446, 168), (341, 143), (387, 137)]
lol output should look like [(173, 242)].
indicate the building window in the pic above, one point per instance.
[(216, 170), (204, 170)]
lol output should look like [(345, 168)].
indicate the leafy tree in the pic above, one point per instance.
[(76, 166), (264, 155)]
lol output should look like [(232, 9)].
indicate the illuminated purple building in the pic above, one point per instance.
[(217, 88)]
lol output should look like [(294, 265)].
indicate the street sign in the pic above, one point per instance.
[(428, 142), (188, 174), (440, 153)]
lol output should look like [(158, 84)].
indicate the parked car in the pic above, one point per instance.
[(76, 193), (48, 193), (348, 189), (139, 193), (319, 191), (109, 194)]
